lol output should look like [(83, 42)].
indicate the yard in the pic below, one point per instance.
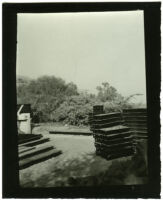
[(78, 165)]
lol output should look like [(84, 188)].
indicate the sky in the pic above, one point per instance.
[(84, 48)]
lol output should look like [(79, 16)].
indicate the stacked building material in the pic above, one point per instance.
[(31, 152), (98, 109), (136, 119), (90, 121), (112, 138)]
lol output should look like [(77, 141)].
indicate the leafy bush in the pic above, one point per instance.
[(45, 94), (52, 99), (74, 110)]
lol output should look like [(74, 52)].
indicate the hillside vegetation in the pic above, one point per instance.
[(54, 100)]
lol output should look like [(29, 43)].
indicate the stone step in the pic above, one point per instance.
[(38, 158), (35, 151), (30, 138), (36, 142), (22, 150)]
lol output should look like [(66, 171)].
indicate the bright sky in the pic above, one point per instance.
[(85, 48)]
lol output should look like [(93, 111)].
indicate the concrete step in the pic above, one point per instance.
[(36, 142), (30, 138), (22, 150), (38, 158), (35, 151)]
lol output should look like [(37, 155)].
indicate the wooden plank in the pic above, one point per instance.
[(141, 124), (135, 110), (113, 130), (38, 158), (107, 116), (138, 128), (104, 121), (115, 151), (139, 121), (114, 146), (141, 137), (114, 141), (71, 132), (122, 153), (134, 118), (100, 126), (35, 151), (136, 123), (135, 114), (36, 142), (113, 136), (111, 151)]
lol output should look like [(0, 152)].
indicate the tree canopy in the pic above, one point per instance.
[(52, 99)]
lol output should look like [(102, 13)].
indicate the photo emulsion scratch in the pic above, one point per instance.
[(81, 99)]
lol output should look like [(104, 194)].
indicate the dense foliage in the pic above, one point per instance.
[(52, 99)]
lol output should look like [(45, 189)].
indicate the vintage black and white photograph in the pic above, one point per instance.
[(81, 105), (81, 99)]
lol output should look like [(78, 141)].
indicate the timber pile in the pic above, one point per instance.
[(136, 119), (31, 153), (112, 138)]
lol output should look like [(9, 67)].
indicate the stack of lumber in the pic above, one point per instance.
[(107, 120), (112, 138), (136, 119), (90, 121), (31, 152), (98, 109)]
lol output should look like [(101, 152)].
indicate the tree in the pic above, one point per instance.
[(45, 94), (107, 92)]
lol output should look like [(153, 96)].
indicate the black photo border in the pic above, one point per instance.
[(152, 21)]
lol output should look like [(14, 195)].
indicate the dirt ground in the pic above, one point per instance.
[(78, 165)]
